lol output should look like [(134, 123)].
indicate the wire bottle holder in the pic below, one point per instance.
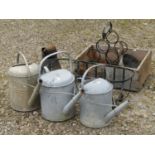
[(110, 45)]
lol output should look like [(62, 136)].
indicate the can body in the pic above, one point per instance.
[(53, 101), (93, 109), (21, 89)]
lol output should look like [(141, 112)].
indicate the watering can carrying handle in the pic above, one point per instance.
[(86, 72), (37, 87), (25, 60), (71, 103), (50, 55)]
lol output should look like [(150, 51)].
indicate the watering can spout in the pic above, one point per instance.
[(35, 93), (71, 103), (116, 111)]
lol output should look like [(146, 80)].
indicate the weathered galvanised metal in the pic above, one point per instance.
[(22, 80), (95, 101), (56, 90)]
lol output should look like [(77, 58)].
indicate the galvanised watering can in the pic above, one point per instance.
[(56, 88), (22, 80), (95, 101)]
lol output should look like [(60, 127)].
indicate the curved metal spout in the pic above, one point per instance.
[(72, 102), (36, 89), (35, 93), (114, 112)]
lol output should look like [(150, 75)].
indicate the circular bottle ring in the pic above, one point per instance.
[(125, 46), (119, 47), (99, 48), (114, 33), (122, 47)]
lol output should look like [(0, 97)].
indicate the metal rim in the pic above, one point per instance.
[(64, 85), (25, 75), (112, 66), (123, 68)]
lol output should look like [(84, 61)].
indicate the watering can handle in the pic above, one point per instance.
[(86, 72), (48, 56), (80, 93), (25, 60)]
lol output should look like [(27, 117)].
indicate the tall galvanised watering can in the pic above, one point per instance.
[(56, 90), (22, 80), (95, 101)]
